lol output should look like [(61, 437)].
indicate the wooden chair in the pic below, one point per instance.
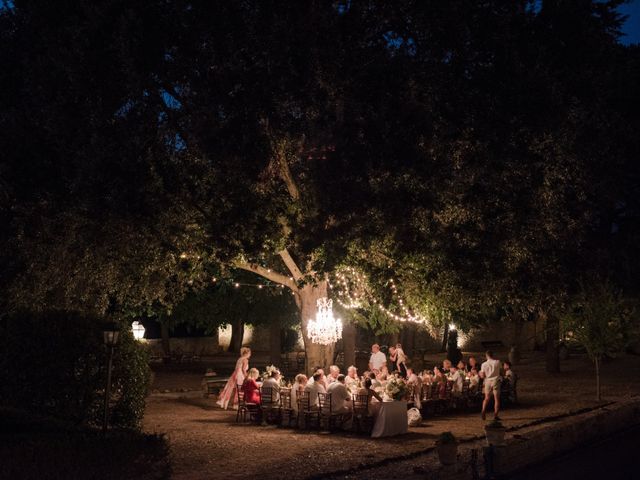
[(286, 409), (430, 398), (270, 405), (310, 415), (252, 410), (361, 418), (327, 416)]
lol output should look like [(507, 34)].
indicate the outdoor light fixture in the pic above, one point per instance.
[(325, 329), (110, 335), (138, 330), (452, 327)]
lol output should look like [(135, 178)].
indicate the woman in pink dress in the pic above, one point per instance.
[(228, 394)]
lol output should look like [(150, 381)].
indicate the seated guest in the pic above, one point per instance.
[(273, 382), (427, 377), (375, 383), (340, 396), (472, 363), (321, 371), (457, 378), (334, 371), (438, 375), (298, 385), (412, 378), (367, 389), (446, 365), (474, 380), (352, 380), (314, 388), (250, 387), (462, 367)]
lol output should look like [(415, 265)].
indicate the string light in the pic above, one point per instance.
[(352, 290)]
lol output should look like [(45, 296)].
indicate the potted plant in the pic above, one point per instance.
[(495, 432), (447, 446)]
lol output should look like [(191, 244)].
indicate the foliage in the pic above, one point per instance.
[(223, 303), (54, 363), (479, 152), (42, 446), (599, 320)]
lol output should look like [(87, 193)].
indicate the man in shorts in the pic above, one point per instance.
[(490, 372)]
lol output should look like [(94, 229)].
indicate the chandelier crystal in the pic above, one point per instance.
[(325, 329)]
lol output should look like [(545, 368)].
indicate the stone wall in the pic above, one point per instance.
[(544, 443)]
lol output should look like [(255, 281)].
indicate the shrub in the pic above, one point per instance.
[(54, 363)]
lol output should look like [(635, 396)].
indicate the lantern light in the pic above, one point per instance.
[(138, 330)]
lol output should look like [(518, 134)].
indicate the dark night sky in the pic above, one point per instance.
[(632, 26)]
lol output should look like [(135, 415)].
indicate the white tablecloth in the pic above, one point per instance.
[(391, 419)]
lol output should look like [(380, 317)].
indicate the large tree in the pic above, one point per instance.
[(442, 144)]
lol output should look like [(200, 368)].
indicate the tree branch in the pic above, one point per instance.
[(291, 264), (267, 273), (287, 176)]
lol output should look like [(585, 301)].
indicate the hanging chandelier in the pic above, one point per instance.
[(325, 329)]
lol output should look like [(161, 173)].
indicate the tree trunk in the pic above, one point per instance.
[(316, 355), (445, 338), (349, 345), (598, 393), (166, 342), (237, 334), (553, 353), (275, 343)]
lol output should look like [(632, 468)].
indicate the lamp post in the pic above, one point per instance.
[(110, 336)]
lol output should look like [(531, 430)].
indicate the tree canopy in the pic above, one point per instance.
[(481, 153)]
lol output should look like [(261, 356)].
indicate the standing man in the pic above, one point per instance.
[(377, 359), (490, 371)]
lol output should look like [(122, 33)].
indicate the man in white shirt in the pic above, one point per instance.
[(490, 372), (377, 359), (334, 371), (273, 382), (340, 396), (314, 388)]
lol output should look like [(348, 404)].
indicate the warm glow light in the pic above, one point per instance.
[(138, 330), (325, 329), (452, 327)]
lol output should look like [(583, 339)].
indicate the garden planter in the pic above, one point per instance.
[(448, 453), (495, 435)]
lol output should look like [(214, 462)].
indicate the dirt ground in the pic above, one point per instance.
[(206, 443)]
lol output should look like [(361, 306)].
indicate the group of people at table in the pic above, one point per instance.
[(485, 378)]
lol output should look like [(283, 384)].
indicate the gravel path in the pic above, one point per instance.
[(206, 442)]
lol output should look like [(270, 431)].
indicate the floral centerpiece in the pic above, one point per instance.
[(267, 374), (396, 388)]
